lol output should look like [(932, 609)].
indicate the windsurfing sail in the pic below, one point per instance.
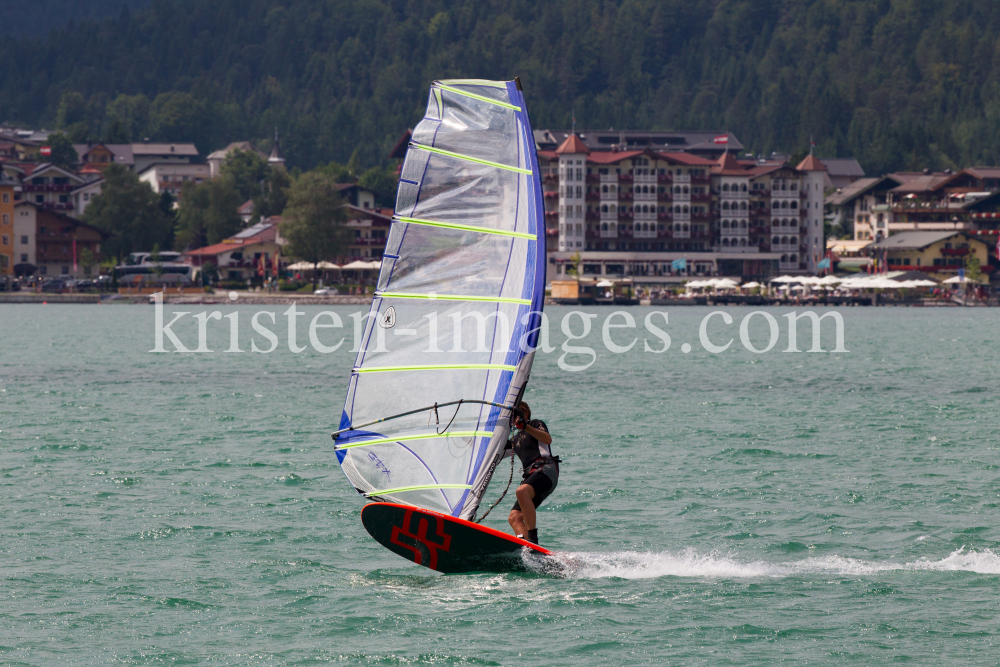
[(457, 308)]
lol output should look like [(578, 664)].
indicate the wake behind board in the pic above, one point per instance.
[(444, 543)]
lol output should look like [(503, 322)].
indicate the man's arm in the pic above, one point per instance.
[(537, 433)]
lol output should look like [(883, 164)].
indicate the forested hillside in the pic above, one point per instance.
[(896, 83), (37, 17)]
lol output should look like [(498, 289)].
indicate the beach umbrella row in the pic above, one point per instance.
[(356, 265)]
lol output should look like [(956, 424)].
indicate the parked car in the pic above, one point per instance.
[(53, 286), (83, 285), (324, 291)]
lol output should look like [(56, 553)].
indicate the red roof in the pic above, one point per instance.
[(549, 155), (685, 158), (763, 169), (263, 232), (610, 157), (573, 145), (811, 163), (728, 166)]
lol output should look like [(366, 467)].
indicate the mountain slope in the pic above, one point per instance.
[(896, 83)]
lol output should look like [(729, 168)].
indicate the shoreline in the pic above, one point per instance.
[(264, 299), (221, 298)]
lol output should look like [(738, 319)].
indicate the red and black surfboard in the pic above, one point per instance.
[(442, 542)]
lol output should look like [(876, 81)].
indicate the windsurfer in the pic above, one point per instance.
[(532, 444)]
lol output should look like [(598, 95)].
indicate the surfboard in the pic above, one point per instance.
[(444, 543)]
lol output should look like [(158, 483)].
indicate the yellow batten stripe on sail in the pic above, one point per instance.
[(466, 228), (426, 436), (459, 156), (477, 97), (422, 487), (474, 82), (446, 367), (452, 297)]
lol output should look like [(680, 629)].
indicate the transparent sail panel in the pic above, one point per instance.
[(473, 128), (448, 261), (442, 333), (451, 190)]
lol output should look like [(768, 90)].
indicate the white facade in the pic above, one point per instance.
[(146, 155), (734, 214), (24, 233), (84, 194), (572, 189), (812, 219), (170, 177)]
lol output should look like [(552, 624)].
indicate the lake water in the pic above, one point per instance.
[(725, 509)]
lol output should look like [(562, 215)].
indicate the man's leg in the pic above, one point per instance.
[(525, 493), (516, 521)]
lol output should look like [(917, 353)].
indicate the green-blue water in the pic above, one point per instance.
[(726, 509)]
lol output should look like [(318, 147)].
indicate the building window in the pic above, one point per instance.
[(6, 218), (43, 269), (24, 257), (65, 269), (6, 198), (6, 239)]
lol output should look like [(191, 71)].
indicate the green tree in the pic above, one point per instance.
[(180, 117), (207, 214), (973, 267), (273, 197), (87, 260), (72, 109), (63, 153), (337, 171), (253, 178), (574, 268), (314, 220), (382, 182), (127, 119), (129, 210), (248, 172)]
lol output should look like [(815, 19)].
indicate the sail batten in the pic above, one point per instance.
[(467, 228), (456, 309), (459, 156)]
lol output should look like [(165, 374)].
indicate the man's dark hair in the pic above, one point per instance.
[(525, 410)]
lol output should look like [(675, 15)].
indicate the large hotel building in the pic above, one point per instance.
[(627, 204)]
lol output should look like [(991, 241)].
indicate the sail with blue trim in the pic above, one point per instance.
[(457, 308)]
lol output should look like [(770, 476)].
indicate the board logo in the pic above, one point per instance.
[(387, 320), (424, 548)]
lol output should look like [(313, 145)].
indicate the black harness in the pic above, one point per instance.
[(541, 462)]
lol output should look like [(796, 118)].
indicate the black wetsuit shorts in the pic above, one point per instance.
[(543, 480)]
